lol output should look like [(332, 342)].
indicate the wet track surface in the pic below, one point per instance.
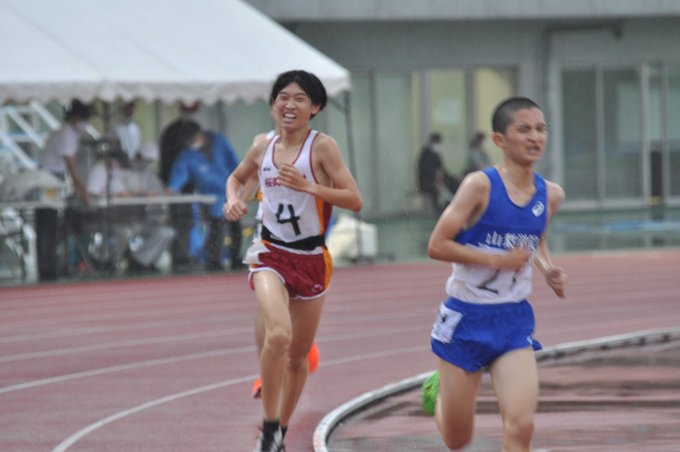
[(166, 364), (609, 400)]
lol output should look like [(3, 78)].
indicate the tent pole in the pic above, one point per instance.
[(353, 168), (108, 130)]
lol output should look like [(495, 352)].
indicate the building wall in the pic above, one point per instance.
[(428, 10), (407, 43)]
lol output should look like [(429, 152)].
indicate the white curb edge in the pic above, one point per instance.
[(640, 338)]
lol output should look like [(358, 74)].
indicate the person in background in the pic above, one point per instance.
[(128, 132), (106, 177), (59, 155), (431, 173), (138, 234), (478, 157), (140, 177), (106, 232), (153, 236), (175, 137), (59, 158), (207, 162)]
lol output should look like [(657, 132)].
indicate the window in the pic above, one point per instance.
[(580, 134), (622, 140), (673, 129)]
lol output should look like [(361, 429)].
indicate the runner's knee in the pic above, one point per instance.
[(520, 428), (278, 339), (456, 435), (456, 440)]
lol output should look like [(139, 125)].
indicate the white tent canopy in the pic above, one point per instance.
[(167, 50)]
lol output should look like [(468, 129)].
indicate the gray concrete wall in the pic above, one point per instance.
[(418, 10), (632, 41), (385, 46), (537, 37)]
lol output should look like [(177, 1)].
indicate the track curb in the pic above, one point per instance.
[(547, 356)]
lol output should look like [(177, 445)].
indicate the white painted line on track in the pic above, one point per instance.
[(88, 317), (71, 440), (162, 361), (110, 345), (68, 442), (124, 367)]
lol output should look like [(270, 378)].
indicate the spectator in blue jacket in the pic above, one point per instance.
[(207, 162)]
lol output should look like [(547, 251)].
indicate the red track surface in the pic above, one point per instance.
[(166, 364)]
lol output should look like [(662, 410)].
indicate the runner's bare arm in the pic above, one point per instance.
[(236, 206), (555, 276)]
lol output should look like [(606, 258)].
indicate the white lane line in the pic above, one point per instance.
[(161, 361), (91, 317), (223, 331), (80, 331), (68, 442), (75, 330), (123, 367), (110, 345)]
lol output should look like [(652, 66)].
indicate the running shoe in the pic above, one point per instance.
[(256, 390), (430, 391), (270, 443)]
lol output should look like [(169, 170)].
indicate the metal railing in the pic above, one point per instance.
[(22, 126)]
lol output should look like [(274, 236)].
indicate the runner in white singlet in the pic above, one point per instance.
[(290, 266)]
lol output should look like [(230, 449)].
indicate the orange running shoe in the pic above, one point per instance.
[(312, 365), (256, 390), (313, 358)]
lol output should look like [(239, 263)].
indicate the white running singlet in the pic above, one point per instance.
[(288, 214)]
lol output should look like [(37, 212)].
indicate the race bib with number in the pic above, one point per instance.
[(445, 324)]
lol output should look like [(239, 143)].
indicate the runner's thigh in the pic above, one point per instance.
[(457, 394), (305, 316)]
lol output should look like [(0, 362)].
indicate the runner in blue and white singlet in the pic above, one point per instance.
[(493, 232), (504, 225)]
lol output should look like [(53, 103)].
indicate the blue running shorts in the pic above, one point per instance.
[(471, 336)]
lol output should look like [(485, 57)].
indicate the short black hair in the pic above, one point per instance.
[(309, 83), (477, 139), (502, 115), (79, 110), (187, 129)]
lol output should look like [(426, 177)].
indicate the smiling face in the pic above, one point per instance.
[(292, 108), (525, 137)]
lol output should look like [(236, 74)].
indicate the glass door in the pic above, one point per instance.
[(672, 121)]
